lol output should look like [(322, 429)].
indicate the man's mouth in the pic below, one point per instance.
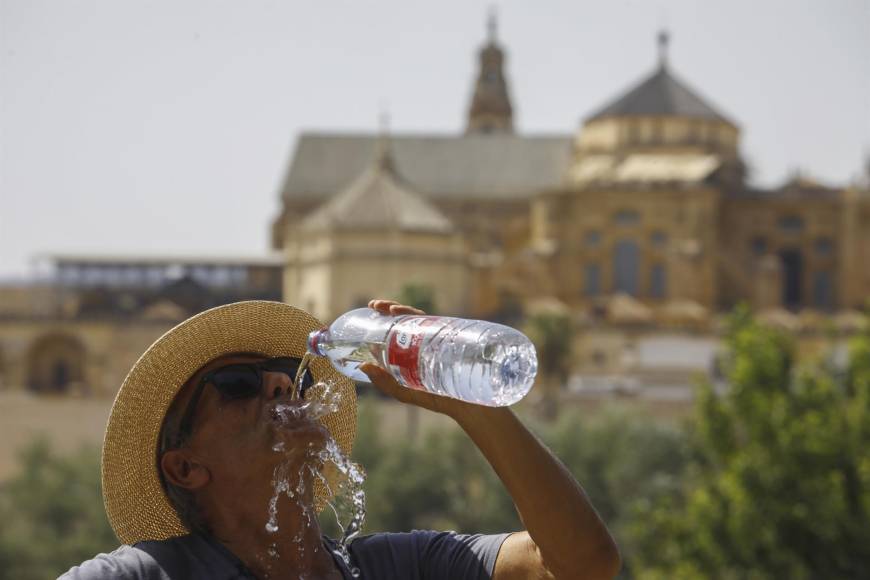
[(288, 412)]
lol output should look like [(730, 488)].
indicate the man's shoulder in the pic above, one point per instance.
[(440, 554), (126, 562), (187, 556)]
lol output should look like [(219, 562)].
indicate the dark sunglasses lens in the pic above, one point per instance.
[(237, 382), (288, 366)]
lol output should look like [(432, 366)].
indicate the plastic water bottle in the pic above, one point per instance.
[(473, 360)]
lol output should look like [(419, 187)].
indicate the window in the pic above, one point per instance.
[(823, 291), (759, 246), (592, 280), (824, 247), (791, 224), (599, 358), (592, 239), (658, 283), (626, 217), (659, 239), (626, 265)]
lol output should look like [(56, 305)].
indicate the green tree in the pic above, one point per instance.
[(51, 514), (780, 481), (419, 296), (552, 333)]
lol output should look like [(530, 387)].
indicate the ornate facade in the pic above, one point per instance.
[(649, 200)]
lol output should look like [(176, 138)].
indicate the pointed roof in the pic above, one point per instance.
[(661, 94), (497, 166), (379, 200), (490, 109)]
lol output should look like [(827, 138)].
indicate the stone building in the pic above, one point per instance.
[(482, 181), (649, 199), (79, 327), (373, 239)]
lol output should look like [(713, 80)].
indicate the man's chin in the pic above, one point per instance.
[(308, 435)]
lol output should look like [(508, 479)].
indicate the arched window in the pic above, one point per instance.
[(626, 267), (824, 247), (592, 239), (626, 217), (759, 246), (791, 224), (56, 364), (659, 239), (658, 281), (823, 291), (591, 280)]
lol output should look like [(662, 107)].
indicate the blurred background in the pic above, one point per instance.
[(671, 198)]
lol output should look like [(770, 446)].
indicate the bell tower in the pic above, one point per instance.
[(490, 109)]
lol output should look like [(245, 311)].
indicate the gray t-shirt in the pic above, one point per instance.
[(418, 555)]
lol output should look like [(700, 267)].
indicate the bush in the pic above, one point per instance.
[(780, 481), (51, 514)]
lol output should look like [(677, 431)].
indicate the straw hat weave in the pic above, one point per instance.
[(136, 504)]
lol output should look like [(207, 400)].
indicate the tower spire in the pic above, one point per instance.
[(383, 155), (492, 25), (490, 109), (664, 38)]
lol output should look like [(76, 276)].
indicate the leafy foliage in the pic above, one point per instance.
[(780, 484), (51, 514), (552, 334), (419, 296)]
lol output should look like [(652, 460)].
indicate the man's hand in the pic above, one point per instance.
[(388, 385)]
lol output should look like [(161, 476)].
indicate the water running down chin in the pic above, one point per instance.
[(327, 466)]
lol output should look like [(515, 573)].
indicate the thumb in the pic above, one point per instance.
[(381, 379)]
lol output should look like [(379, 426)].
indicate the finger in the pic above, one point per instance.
[(381, 305), (404, 309)]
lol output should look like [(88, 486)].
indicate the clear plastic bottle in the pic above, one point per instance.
[(473, 360)]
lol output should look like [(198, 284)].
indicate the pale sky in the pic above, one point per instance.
[(166, 126)]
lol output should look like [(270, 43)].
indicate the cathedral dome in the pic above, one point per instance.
[(659, 114)]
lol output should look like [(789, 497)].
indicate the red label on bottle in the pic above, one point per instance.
[(403, 350)]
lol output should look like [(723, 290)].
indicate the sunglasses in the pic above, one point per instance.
[(239, 381)]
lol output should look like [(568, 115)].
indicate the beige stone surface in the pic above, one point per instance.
[(67, 422)]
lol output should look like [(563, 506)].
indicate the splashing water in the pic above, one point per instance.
[(349, 495), (346, 495)]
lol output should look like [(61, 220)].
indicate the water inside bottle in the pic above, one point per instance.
[(348, 356), (342, 478)]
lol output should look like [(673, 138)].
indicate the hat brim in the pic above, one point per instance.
[(136, 504)]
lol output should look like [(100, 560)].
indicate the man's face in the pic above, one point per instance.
[(240, 442)]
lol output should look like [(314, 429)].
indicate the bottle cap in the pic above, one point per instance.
[(314, 340)]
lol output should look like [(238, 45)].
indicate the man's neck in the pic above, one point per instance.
[(295, 550)]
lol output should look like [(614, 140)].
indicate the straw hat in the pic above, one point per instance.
[(136, 504)]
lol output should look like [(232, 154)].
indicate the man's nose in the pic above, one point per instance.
[(276, 384)]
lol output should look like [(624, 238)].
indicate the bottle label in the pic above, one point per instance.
[(403, 351)]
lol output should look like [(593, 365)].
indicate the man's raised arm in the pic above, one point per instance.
[(564, 537)]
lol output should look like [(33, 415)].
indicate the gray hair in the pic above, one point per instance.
[(183, 500)]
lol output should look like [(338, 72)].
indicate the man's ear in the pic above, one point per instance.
[(181, 469)]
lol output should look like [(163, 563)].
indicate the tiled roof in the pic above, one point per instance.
[(379, 200), (488, 166), (661, 94)]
